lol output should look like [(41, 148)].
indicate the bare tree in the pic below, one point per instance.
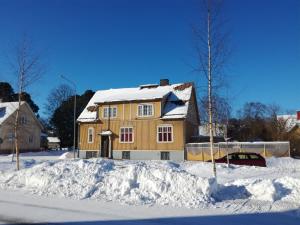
[(56, 97), (212, 52), (27, 68)]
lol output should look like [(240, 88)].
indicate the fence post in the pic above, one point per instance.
[(265, 150), (202, 154), (219, 155)]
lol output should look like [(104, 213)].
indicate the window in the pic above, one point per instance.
[(10, 136), (253, 156), (109, 112), (243, 156), (30, 139), (90, 135), (165, 155), (91, 154), (23, 120), (126, 135), (165, 133), (126, 155), (145, 110)]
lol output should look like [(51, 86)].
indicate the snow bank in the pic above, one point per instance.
[(67, 155), (132, 183), (187, 184)]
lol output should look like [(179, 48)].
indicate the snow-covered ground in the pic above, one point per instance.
[(160, 189)]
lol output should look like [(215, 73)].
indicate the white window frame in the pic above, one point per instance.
[(23, 120), (109, 108), (163, 126), (142, 105), (10, 136), (126, 142), (30, 139), (93, 135)]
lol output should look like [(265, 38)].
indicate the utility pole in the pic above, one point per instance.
[(74, 114)]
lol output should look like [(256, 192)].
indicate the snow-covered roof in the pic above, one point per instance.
[(106, 133), (176, 105), (290, 121), (53, 139), (7, 109)]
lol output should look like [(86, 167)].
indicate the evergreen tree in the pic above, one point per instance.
[(62, 118), (7, 94)]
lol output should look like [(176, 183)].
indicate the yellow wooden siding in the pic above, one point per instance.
[(83, 141), (145, 135)]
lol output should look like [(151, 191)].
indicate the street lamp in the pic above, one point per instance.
[(74, 113)]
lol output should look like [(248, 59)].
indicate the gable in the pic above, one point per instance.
[(8, 109)]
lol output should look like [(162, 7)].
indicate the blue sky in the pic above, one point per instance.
[(123, 43)]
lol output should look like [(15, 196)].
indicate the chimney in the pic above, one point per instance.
[(298, 115), (164, 82)]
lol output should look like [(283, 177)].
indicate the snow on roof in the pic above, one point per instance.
[(176, 93), (173, 110), (290, 121), (53, 139), (7, 109), (106, 133)]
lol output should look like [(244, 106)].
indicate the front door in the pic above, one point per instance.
[(104, 146)]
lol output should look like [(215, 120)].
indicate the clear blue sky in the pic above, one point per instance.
[(104, 44)]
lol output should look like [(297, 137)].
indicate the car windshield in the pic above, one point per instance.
[(252, 156), (242, 156)]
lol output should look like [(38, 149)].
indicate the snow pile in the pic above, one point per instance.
[(132, 183), (187, 184), (67, 155)]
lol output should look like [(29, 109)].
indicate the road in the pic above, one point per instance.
[(20, 208)]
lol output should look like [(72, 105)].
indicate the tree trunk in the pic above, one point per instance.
[(210, 111), (16, 132)]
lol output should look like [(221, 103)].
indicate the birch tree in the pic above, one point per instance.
[(212, 53), (27, 68)]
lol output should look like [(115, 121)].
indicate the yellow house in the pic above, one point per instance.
[(147, 122), (29, 131)]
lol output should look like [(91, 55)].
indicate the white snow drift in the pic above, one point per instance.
[(156, 182)]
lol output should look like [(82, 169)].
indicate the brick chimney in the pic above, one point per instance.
[(164, 82), (298, 115)]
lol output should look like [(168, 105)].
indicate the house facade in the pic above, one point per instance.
[(147, 122), (29, 131)]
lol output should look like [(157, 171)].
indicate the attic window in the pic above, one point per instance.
[(109, 112), (145, 110), (23, 120), (2, 111)]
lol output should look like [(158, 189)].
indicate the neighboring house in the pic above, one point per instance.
[(147, 122), (203, 133), (53, 142), (218, 130), (291, 125), (29, 128), (289, 121)]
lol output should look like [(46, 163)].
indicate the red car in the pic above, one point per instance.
[(240, 158)]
